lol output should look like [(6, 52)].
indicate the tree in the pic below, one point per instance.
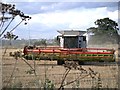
[(106, 31), (57, 41), (41, 42)]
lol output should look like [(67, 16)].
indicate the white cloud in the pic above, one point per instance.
[(77, 18), (46, 24), (113, 15)]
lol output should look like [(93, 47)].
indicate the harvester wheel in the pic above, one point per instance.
[(60, 62), (80, 62)]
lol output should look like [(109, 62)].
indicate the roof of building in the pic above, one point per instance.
[(72, 32)]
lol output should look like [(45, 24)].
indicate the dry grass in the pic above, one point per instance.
[(24, 77)]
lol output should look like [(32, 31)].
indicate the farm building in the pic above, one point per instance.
[(72, 39)]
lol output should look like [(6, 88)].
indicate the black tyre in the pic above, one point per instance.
[(80, 62), (60, 62)]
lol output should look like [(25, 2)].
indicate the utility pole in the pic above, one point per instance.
[(29, 38)]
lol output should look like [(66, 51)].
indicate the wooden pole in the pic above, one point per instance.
[(118, 66)]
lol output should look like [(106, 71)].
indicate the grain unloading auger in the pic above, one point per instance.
[(61, 55)]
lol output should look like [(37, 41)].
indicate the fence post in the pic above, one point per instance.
[(118, 66), (118, 52), (0, 64)]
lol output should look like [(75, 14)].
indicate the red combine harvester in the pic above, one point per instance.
[(61, 55), (74, 43)]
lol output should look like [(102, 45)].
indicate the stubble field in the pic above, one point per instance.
[(20, 74)]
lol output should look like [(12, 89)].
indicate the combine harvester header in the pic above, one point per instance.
[(80, 55)]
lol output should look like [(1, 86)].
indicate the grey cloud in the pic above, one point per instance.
[(43, 7)]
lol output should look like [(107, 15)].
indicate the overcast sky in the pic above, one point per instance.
[(48, 17)]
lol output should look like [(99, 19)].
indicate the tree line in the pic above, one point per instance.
[(106, 31), (23, 42)]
